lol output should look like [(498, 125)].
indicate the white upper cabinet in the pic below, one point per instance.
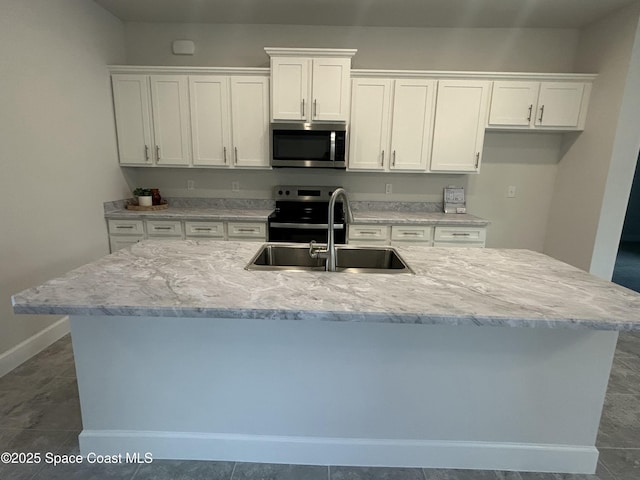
[(391, 124), (152, 119), (538, 105), (369, 136), (250, 119), (170, 99), (133, 118), (412, 124), (560, 104), (310, 84), (210, 120), (460, 119)]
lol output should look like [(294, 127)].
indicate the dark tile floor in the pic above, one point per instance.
[(626, 271), (40, 412)]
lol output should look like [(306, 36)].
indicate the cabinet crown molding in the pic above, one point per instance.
[(310, 52), (170, 70), (450, 75)]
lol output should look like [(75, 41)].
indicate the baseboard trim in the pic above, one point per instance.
[(33, 345), (342, 451)]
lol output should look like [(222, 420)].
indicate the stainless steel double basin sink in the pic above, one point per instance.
[(350, 259)]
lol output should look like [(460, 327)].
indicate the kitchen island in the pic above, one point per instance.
[(484, 359)]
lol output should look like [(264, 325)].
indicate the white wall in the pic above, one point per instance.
[(527, 161), (595, 174), (58, 149)]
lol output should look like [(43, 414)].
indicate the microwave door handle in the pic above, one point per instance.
[(332, 148)]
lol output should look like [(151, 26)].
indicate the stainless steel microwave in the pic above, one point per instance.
[(309, 145)]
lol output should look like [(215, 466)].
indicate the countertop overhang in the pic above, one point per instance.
[(452, 286)]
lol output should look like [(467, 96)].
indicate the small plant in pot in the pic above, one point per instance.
[(144, 196)]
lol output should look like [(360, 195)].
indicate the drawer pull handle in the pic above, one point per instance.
[(455, 234), (247, 230), (410, 233), (163, 228), (202, 229), (364, 232), (128, 227)]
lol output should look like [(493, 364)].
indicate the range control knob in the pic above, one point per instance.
[(279, 192), (287, 192)]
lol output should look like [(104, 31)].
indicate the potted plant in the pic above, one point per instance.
[(144, 196)]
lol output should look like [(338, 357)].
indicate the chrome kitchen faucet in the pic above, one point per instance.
[(330, 252)]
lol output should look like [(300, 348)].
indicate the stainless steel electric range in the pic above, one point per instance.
[(301, 215)]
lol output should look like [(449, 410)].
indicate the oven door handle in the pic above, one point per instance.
[(301, 226)]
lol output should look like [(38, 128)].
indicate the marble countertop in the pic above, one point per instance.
[(194, 213), (454, 286), (418, 218)]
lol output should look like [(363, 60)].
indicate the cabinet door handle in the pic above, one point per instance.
[(303, 108), (394, 158), (382, 161), (224, 152), (530, 110), (236, 150), (315, 108), (541, 113), (158, 152), (477, 159), (146, 152)]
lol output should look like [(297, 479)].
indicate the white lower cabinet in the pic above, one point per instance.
[(124, 233), (247, 231), (164, 228), (204, 229), (373, 234), (411, 235), (459, 236), (424, 235)]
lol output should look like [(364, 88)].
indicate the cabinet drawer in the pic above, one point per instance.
[(160, 228), (117, 242), (369, 232), (247, 230), (460, 235), (411, 233), (204, 229), (125, 227)]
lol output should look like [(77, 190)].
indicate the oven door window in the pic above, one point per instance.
[(301, 145)]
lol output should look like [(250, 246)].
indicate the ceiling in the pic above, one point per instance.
[(392, 13)]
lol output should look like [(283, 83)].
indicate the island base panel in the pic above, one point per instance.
[(324, 392)]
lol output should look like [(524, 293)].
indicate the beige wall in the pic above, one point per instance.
[(482, 49), (58, 150), (594, 176)]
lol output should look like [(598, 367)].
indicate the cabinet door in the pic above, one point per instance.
[(369, 139), (250, 118), (133, 119), (290, 77), (413, 105), (460, 119), (513, 103), (170, 97), (559, 104), (330, 92), (210, 120)]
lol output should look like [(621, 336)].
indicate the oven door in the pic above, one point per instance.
[(304, 232), (304, 145)]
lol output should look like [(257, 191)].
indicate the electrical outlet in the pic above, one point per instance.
[(388, 188), (235, 186), (511, 191), (191, 185)]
